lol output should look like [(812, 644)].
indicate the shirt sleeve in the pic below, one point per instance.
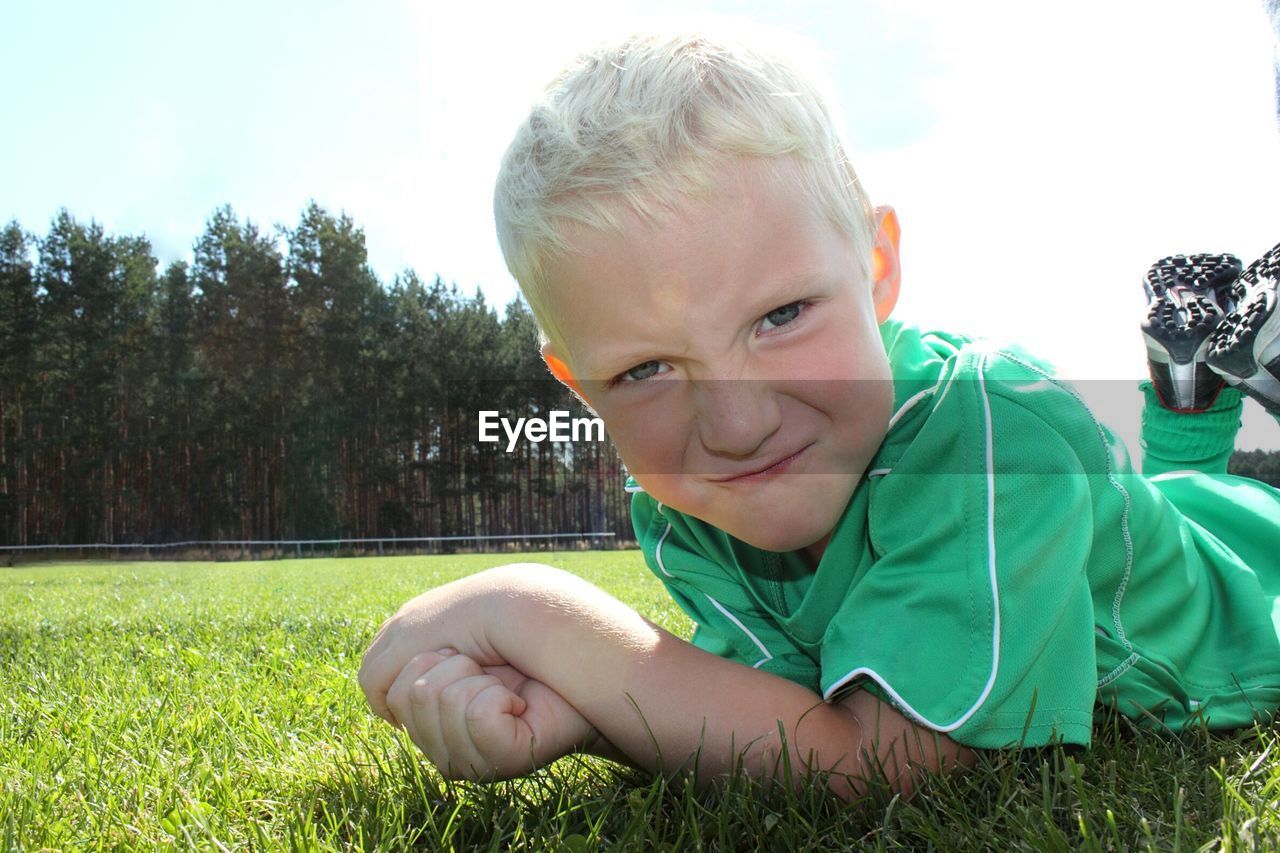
[(976, 619), (689, 558)]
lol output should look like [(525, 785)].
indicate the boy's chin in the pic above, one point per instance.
[(783, 541), (785, 531), (802, 514)]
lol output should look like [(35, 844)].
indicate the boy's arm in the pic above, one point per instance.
[(664, 704)]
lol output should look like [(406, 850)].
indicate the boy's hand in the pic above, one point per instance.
[(453, 616), (482, 722)]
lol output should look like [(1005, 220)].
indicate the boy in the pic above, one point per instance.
[(898, 547)]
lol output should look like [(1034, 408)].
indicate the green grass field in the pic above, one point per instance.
[(215, 705)]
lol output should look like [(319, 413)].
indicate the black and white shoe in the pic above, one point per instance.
[(1187, 298), (1245, 349)]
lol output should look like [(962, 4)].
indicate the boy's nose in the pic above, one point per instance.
[(735, 416)]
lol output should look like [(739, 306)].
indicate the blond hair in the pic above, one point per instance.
[(643, 123)]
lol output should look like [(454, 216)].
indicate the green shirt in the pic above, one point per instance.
[(1000, 568)]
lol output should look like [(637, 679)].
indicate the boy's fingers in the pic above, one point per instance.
[(397, 699), (456, 701), (492, 725), (510, 677), (500, 701), (429, 710), (415, 700), (379, 671)]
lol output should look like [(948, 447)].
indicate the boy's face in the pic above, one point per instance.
[(733, 352)]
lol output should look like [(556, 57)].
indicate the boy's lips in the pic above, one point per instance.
[(760, 472)]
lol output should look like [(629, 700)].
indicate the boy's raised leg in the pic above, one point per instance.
[(1187, 298), (1245, 348), (1190, 418), (1189, 441)]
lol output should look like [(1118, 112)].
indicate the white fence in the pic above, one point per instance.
[(309, 547)]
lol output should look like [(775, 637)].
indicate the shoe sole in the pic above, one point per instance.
[(1188, 296), (1246, 347), (1189, 386)]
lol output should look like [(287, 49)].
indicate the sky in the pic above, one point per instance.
[(1040, 156)]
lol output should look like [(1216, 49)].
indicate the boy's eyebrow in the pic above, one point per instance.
[(782, 290), (611, 363), (798, 279)]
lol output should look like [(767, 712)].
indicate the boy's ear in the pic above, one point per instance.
[(886, 273), (560, 370)]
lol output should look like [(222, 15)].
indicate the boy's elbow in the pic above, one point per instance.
[(852, 789), (527, 579), (883, 780), (893, 754)]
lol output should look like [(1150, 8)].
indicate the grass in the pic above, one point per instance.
[(215, 705)]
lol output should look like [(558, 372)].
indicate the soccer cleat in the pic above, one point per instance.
[(1187, 298), (1245, 349)]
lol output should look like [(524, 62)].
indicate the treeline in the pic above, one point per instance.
[(275, 389), (1261, 465), (271, 389)]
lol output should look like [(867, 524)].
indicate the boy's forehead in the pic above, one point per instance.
[(603, 306), (736, 185), (605, 287)]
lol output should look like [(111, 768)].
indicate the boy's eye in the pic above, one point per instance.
[(781, 316), (641, 372)]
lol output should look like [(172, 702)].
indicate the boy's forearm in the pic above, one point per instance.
[(661, 702)]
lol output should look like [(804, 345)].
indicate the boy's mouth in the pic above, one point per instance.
[(761, 472)]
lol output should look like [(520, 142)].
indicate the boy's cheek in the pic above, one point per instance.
[(647, 449)]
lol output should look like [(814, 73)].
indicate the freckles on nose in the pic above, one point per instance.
[(735, 417)]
